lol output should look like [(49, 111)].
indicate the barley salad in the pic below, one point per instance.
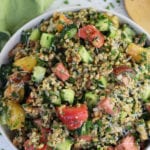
[(79, 80)]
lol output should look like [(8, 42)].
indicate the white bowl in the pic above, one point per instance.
[(16, 38)]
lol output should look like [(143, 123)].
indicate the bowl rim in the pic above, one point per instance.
[(36, 21)]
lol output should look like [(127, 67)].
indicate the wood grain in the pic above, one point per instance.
[(139, 11)]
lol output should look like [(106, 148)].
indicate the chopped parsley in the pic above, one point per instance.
[(117, 1), (107, 7), (66, 2), (112, 5)]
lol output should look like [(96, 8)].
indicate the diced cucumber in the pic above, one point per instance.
[(127, 33), (91, 99), (146, 93), (38, 74), (113, 31), (67, 95), (103, 24), (141, 128), (115, 20), (55, 98), (148, 126), (123, 115), (103, 81), (3, 118), (69, 31), (84, 54), (66, 145), (46, 40), (35, 34)]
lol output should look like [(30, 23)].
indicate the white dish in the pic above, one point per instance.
[(16, 38)]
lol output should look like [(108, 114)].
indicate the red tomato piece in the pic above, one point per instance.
[(106, 105), (61, 72), (127, 143), (44, 133), (122, 69), (92, 34), (73, 117), (27, 146)]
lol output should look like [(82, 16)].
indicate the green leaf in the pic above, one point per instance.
[(3, 39)]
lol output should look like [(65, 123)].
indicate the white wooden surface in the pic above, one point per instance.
[(118, 7)]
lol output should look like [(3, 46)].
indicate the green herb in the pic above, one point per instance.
[(28, 123), (107, 7), (66, 2), (5, 71), (145, 116), (117, 1), (108, 129), (102, 83), (71, 80), (99, 125), (41, 62), (144, 56), (3, 39), (14, 94), (69, 32), (141, 122), (51, 97), (3, 112), (78, 4), (112, 5), (25, 37), (129, 127), (45, 96), (142, 39), (86, 128), (113, 52)]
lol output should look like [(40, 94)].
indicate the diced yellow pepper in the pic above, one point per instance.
[(115, 21), (138, 53), (62, 20), (16, 115), (26, 63), (15, 91)]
